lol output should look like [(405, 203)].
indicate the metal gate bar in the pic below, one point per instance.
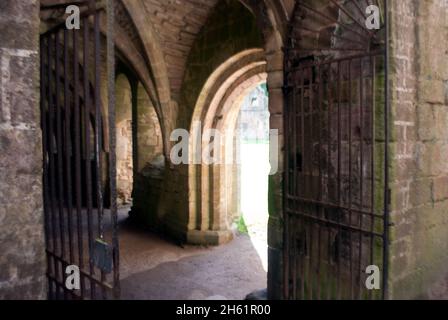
[(336, 194), (75, 155)]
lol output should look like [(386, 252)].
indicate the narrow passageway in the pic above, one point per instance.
[(153, 268)]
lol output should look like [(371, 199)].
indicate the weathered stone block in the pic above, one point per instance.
[(432, 91), (420, 192), (440, 188)]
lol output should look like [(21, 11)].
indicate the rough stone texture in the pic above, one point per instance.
[(149, 135), (124, 149), (22, 258), (177, 24), (419, 70), (149, 162)]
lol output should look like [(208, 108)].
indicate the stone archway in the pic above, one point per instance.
[(217, 108)]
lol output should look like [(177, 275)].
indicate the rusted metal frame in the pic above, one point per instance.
[(295, 257), (68, 148), (361, 173), (327, 49), (329, 119), (372, 168), (320, 173), (293, 119), (303, 174), (112, 144), (98, 125), (334, 224), (71, 295), (60, 285), (363, 14), (84, 274), (286, 178), (311, 178), (334, 36), (365, 36), (342, 59), (339, 180), (350, 140), (360, 25), (78, 138), (302, 231), (61, 25), (55, 280), (87, 160), (47, 202), (295, 214), (286, 253), (335, 206), (59, 146), (51, 152), (98, 137)]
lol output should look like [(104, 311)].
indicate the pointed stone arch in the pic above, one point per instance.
[(217, 108)]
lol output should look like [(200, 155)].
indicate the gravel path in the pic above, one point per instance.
[(155, 269)]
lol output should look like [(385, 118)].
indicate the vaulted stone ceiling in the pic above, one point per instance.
[(174, 24), (177, 23)]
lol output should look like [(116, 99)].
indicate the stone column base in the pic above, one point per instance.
[(213, 238)]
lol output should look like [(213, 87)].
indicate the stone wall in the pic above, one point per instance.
[(149, 162), (419, 182), (124, 148), (22, 248), (149, 135)]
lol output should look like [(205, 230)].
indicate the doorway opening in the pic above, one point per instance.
[(126, 128), (253, 128)]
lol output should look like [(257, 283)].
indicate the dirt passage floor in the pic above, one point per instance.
[(153, 268)]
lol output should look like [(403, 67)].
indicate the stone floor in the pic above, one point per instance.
[(156, 269)]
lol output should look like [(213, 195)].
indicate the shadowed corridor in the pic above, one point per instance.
[(154, 268)]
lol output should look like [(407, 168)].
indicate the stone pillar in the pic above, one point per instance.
[(419, 181), (22, 258)]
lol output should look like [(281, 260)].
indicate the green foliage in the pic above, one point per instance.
[(241, 226)]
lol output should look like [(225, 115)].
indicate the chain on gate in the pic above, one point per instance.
[(336, 135), (79, 158)]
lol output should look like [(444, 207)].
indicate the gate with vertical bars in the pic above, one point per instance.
[(79, 157), (336, 137)]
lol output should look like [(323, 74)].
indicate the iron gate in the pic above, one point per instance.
[(336, 138), (79, 157)]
